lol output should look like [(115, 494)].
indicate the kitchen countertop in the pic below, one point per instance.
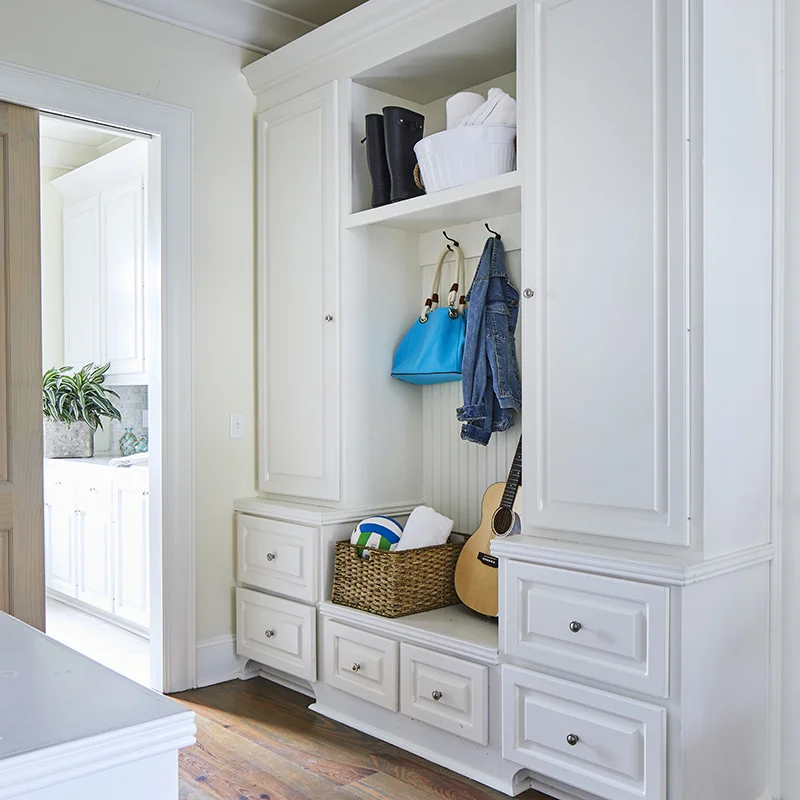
[(97, 461)]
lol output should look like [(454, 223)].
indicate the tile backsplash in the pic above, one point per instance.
[(131, 403)]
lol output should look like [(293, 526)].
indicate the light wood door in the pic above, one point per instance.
[(21, 494), (298, 362), (605, 339), (131, 574), (122, 263)]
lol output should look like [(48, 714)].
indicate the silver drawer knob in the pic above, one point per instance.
[(436, 695), (356, 667), (269, 634), (575, 626), (572, 739), (270, 556), (329, 318), (528, 293)]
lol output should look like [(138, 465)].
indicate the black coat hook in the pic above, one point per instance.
[(494, 233), (449, 239)]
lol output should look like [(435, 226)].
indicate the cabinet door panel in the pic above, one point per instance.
[(605, 254), (82, 282), (297, 272), (131, 516), (122, 245), (60, 554), (95, 575)]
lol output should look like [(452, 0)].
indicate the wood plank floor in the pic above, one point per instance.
[(259, 741)]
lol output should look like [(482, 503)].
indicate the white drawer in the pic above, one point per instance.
[(444, 691), (277, 556), (596, 741), (611, 630), (276, 632), (361, 663)]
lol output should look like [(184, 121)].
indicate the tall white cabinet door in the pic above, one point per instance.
[(122, 247), (82, 281), (60, 550), (131, 517), (606, 342), (95, 563), (298, 362)]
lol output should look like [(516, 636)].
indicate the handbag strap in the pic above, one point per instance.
[(456, 300)]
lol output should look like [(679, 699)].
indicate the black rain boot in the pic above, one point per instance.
[(376, 160), (403, 129)]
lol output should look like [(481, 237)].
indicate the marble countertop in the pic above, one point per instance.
[(98, 461), (51, 695)]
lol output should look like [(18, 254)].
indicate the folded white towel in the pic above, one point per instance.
[(425, 528), (462, 105), (136, 460), (499, 109)]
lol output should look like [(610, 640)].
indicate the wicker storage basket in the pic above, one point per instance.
[(395, 584)]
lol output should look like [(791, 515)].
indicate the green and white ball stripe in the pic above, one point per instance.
[(379, 533)]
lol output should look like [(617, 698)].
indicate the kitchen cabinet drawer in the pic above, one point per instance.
[(277, 556), (276, 632), (361, 664), (449, 693), (596, 741), (94, 487), (611, 630)]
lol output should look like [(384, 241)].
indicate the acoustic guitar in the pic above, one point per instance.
[(476, 569)]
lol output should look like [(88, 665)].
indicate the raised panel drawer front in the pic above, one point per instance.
[(606, 341), (278, 556), (611, 630), (276, 632), (298, 319), (607, 745), (447, 692), (361, 664)]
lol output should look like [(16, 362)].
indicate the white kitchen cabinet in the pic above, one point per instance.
[(298, 290), (97, 537), (132, 509), (104, 249)]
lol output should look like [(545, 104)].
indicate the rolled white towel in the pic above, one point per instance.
[(499, 109), (462, 105), (425, 528), (137, 459)]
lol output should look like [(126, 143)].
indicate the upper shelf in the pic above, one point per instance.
[(492, 197)]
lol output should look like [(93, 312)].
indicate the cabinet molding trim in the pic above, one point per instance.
[(602, 563), (307, 515)]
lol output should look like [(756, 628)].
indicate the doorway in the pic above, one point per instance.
[(97, 298), (170, 390)]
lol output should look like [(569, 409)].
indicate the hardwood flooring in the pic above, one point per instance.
[(258, 741)]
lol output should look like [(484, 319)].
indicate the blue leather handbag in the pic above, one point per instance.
[(432, 350)]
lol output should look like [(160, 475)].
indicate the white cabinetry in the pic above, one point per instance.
[(104, 249), (298, 291), (97, 538)]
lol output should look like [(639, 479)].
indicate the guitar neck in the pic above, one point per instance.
[(514, 479)]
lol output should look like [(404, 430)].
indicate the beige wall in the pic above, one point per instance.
[(52, 271), (99, 44)]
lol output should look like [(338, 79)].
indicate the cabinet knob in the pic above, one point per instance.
[(269, 634), (59, 483), (528, 293), (329, 318), (356, 667), (436, 695), (572, 739), (92, 490), (575, 626), (145, 493), (270, 556)]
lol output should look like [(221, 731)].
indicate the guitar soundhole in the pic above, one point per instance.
[(502, 521)]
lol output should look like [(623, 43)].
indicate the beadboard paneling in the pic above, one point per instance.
[(457, 473)]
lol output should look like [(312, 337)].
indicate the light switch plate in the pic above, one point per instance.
[(237, 426)]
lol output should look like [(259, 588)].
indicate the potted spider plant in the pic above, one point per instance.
[(74, 404)]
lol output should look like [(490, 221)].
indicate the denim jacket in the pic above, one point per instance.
[(490, 371)]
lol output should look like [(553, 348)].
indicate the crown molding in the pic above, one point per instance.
[(243, 23)]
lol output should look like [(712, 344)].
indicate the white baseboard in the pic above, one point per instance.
[(290, 682), (217, 661)]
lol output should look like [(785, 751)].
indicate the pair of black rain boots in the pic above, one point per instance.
[(391, 137)]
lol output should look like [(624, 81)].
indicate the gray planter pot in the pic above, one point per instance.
[(67, 441)]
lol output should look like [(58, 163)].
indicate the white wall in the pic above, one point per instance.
[(791, 518), (52, 271), (99, 44)]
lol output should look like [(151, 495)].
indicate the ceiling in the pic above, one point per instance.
[(67, 144), (258, 25)]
